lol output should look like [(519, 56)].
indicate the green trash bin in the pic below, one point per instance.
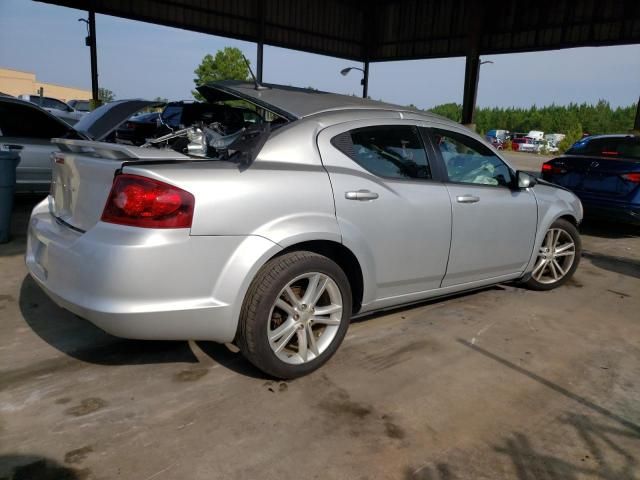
[(9, 159)]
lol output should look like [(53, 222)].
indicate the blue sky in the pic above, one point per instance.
[(136, 59)]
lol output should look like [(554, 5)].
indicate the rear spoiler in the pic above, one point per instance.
[(116, 151)]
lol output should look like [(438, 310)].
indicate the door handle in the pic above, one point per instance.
[(467, 199), (361, 195)]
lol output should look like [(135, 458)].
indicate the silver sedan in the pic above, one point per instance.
[(274, 236)]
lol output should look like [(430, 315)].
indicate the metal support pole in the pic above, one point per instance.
[(471, 75), (365, 80), (91, 40), (472, 65), (259, 67), (260, 53), (636, 124)]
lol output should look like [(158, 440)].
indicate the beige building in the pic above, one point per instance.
[(16, 82)]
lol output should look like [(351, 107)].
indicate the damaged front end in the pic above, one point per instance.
[(199, 140)]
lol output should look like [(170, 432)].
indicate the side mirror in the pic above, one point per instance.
[(525, 180)]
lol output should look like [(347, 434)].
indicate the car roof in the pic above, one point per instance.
[(28, 104), (610, 135), (296, 103)]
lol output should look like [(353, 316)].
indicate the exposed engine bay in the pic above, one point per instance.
[(204, 130), (199, 140)]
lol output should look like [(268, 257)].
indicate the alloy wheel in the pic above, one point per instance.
[(305, 318), (555, 257)]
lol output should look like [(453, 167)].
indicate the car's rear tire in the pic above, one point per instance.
[(558, 257), (295, 314)]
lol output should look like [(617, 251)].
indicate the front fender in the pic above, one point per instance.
[(553, 203)]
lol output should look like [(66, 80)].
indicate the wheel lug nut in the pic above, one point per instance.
[(296, 316), (303, 307)]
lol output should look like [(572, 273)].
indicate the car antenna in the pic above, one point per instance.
[(255, 81)]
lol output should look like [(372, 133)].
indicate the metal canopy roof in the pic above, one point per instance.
[(381, 30)]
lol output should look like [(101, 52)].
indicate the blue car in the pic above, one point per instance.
[(604, 172)]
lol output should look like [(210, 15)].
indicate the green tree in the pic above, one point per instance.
[(105, 95), (573, 135), (594, 119), (228, 64)]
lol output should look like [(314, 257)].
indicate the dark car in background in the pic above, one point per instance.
[(604, 172), (139, 128)]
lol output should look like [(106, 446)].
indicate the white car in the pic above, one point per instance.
[(56, 107)]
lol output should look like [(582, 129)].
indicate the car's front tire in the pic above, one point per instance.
[(558, 257), (295, 314)]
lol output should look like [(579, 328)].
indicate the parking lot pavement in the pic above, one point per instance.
[(529, 162), (501, 383)]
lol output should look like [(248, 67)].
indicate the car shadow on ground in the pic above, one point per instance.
[(606, 229), (80, 339), (431, 301), (621, 265), (31, 467)]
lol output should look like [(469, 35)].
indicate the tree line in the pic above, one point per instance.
[(593, 119)]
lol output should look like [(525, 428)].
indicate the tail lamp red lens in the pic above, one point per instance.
[(144, 202), (550, 168), (632, 177)]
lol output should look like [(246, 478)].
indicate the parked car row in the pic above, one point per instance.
[(533, 142)]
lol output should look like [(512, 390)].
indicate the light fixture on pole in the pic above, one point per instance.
[(365, 77)]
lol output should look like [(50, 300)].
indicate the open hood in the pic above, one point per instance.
[(98, 124), (288, 102)]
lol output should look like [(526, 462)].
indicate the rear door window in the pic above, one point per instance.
[(390, 151)]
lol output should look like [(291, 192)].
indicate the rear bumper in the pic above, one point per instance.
[(143, 283), (618, 211)]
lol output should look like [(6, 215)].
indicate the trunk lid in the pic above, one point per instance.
[(290, 103), (82, 176)]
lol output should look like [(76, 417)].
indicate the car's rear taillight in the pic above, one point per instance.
[(632, 177), (144, 202), (550, 168)]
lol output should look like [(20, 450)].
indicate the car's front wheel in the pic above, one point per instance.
[(558, 257), (295, 315)]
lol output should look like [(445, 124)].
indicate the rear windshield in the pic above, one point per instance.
[(622, 147), (29, 122), (49, 102)]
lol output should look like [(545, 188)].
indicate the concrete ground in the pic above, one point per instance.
[(526, 161), (503, 383)]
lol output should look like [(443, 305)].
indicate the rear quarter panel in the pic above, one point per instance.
[(284, 202)]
